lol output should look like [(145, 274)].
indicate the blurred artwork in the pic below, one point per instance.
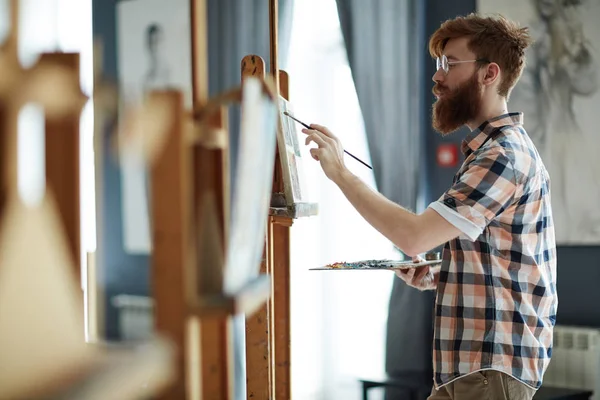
[(559, 95), (154, 53), (252, 193)]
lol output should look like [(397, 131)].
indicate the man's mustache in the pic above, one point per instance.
[(438, 89)]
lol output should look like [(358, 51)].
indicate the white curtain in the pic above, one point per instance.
[(338, 317)]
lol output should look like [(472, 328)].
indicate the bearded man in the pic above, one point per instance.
[(496, 295)]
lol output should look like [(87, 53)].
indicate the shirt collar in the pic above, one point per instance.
[(475, 139)]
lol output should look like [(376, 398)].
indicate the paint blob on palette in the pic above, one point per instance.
[(376, 265)]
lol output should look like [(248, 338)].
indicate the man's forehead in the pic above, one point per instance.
[(457, 48)]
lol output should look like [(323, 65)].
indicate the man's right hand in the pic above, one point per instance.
[(422, 278)]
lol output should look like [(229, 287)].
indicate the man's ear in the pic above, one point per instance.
[(492, 73)]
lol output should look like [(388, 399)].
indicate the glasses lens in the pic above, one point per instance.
[(442, 63)]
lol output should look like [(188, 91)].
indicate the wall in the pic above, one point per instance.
[(121, 272), (578, 267)]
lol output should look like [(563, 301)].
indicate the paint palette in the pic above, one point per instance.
[(376, 265)]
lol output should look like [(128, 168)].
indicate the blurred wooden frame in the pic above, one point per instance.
[(190, 191), (234, 96), (190, 197), (203, 117), (211, 300), (53, 72)]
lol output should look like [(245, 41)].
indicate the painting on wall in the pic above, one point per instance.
[(154, 53), (559, 95)]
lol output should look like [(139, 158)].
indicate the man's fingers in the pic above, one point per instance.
[(314, 137), (406, 273), (322, 129), (421, 273), (314, 153), (401, 273), (417, 259), (315, 132)]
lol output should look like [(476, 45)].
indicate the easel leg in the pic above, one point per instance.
[(259, 340), (171, 177), (281, 306), (217, 358)]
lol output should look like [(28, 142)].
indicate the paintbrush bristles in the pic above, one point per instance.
[(296, 119)]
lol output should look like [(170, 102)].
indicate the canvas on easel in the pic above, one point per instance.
[(294, 180), (252, 191)]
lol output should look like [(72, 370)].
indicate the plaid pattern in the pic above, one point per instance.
[(496, 298)]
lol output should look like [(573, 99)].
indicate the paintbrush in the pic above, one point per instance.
[(308, 127)]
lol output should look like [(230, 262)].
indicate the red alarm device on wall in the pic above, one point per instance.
[(447, 155)]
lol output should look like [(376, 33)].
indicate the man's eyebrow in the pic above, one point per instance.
[(451, 58)]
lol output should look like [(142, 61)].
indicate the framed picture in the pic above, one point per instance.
[(559, 95), (154, 53), (252, 193)]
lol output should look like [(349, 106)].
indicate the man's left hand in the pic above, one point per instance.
[(329, 152)]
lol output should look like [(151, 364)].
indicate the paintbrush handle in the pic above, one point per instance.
[(358, 159), (308, 127)]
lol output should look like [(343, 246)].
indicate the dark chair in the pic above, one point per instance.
[(552, 393), (415, 384)]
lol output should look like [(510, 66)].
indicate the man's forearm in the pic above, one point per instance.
[(394, 222)]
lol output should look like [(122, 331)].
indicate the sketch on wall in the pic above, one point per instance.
[(154, 52), (559, 95)]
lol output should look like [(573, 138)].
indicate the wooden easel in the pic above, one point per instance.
[(178, 182), (62, 128), (190, 193), (63, 160), (268, 338), (44, 348)]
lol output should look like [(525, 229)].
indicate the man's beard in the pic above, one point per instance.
[(456, 107)]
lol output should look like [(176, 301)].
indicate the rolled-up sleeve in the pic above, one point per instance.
[(482, 191)]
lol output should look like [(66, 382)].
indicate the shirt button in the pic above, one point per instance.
[(485, 381)]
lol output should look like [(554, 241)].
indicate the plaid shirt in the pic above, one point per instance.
[(496, 297)]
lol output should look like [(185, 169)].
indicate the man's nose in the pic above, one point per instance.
[(438, 76)]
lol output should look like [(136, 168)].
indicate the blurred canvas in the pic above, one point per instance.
[(252, 193)]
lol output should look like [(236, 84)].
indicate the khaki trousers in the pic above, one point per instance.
[(484, 385)]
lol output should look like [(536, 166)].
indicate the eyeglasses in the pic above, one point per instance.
[(443, 63)]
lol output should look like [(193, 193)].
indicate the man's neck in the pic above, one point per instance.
[(488, 112)]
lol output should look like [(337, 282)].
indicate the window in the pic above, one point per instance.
[(338, 317)]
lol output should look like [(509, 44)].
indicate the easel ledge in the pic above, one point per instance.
[(296, 210)]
